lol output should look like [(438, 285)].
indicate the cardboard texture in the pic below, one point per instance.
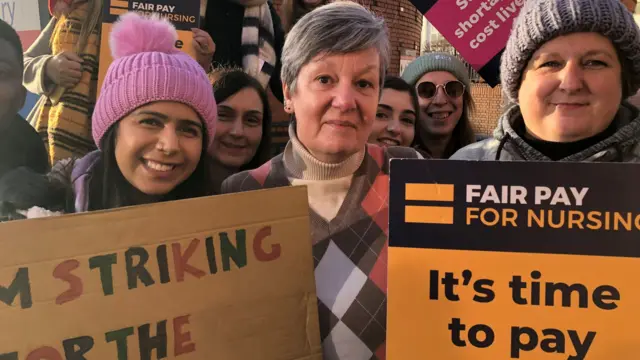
[(208, 278), (513, 260), (184, 14)]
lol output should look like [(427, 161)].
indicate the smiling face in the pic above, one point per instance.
[(395, 119), (239, 128), (571, 88), (440, 114), (158, 146), (335, 102)]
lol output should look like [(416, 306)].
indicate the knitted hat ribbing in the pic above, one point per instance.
[(435, 61), (542, 20)]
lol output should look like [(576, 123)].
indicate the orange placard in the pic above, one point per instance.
[(184, 14), (523, 266), (515, 306)]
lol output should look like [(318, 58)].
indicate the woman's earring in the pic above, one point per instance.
[(287, 106)]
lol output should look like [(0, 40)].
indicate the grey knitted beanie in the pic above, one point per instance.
[(542, 20), (435, 61)]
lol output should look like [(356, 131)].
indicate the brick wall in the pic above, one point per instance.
[(405, 28), (488, 107), (404, 22)]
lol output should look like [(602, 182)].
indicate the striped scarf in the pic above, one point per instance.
[(258, 54), (64, 121)]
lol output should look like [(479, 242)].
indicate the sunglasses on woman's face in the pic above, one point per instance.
[(453, 89)]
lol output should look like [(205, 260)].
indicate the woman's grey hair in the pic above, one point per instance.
[(337, 28)]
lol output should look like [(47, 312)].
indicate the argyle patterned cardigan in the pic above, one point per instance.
[(350, 253)]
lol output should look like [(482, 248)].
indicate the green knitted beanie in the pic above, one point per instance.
[(435, 61)]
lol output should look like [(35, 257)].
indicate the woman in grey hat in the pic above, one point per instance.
[(566, 70), (442, 83)]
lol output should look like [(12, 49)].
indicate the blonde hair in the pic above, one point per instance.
[(90, 24), (220, 71)]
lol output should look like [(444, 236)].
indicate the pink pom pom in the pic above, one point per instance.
[(134, 33)]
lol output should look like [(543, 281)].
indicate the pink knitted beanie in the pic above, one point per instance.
[(148, 68)]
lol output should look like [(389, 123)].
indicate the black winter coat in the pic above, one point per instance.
[(223, 21)]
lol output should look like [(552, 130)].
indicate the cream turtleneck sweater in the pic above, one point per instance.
[(327, 184), (349, 236)]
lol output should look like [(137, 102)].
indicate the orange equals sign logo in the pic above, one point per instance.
[(436, 214), (119, 7)]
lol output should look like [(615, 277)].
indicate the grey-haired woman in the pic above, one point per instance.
[(567, 68), (333, 67)]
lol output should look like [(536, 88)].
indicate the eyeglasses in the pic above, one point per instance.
[(453, 89)]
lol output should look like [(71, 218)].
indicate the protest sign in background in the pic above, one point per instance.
[(184, 14), (513, 260), (209, 278), (477, 29), (28, 17)]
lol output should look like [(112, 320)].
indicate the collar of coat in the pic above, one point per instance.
[(626, 122)]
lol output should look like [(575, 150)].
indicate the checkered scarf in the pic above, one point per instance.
[(258, 54)]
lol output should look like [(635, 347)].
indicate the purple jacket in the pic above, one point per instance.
[(80, 175)]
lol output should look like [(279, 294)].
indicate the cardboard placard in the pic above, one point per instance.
[(478, 30), (184, 14), (215, 277), (513, 260)]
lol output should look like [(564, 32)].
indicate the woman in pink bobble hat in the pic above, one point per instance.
[(153, 124)]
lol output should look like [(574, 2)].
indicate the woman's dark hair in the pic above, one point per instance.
[(229, 81), (108, 188), (293, 10), (398, 84), (462, 134)]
